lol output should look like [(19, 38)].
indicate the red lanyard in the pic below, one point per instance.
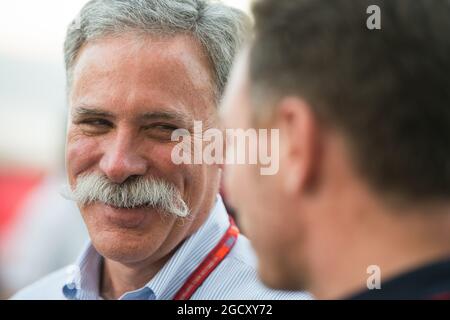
[(212, 260)]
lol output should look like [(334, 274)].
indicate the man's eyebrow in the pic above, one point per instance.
[(84, 111)]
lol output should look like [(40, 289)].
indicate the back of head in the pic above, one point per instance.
[(387, 91)]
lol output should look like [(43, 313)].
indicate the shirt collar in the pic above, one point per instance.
[(84, 277)]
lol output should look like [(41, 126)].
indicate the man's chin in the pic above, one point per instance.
[(126, 235), (276, 277), (124, 248)]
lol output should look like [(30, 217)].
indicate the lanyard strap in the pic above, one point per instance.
[(212, 260)]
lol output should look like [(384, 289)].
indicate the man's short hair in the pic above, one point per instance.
[(387, 91), (219, 28)]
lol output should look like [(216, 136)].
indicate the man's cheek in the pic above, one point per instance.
[(81, 154), (162, 166), (241, 188), (231, 187), (160, 152)]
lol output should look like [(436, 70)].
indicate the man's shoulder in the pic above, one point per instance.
[(236, 278), (46, 288)]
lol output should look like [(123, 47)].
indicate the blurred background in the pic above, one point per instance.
[(39, 230)]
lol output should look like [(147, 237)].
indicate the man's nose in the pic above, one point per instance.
[(121, 160)]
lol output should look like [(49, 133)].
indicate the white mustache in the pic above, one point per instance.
[(133, 193)]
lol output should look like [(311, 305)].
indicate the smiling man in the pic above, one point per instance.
[(137, 71)]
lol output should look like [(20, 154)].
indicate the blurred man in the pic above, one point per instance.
[(137, 71), (362, 197)]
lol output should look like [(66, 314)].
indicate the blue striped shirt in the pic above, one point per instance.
[(234, 278)]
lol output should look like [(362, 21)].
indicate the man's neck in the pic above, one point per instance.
[(118, 278), (395, 245)]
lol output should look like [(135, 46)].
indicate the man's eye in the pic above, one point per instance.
[(166, 127), (161, 132), (94, 126), (162, 127), (96, 122)]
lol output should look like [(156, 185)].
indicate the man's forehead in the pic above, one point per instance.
[(143, 57), (238, 85), (136, 76)]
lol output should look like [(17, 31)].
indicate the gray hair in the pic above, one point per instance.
[(219, 28)]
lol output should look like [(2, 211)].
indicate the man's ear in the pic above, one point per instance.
[(299, 150)]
